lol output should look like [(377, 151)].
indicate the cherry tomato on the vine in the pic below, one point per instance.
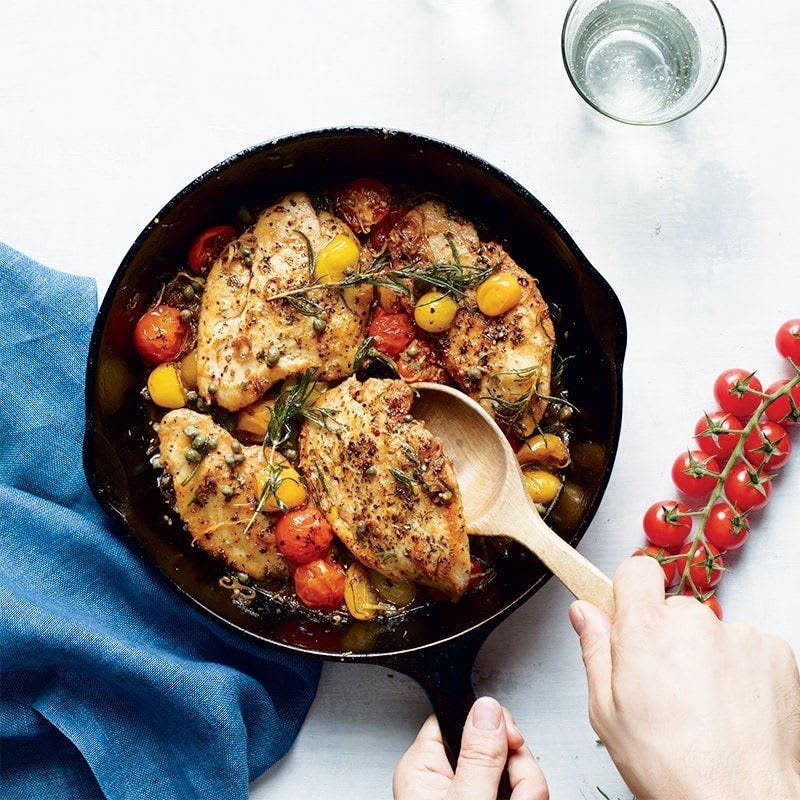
[(363, 204), (711, 433), (660, 554), (706, 564), (666, 524), (747, 490), (320, 584), (160, 334), (787, 340), (726, 528), (208, 245), (689, 473), (768, 443), (731, 392), (785, 410), (391, 333), (709, 600), (303, 534)]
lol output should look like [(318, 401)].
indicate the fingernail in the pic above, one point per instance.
[(487, 714), (576, 618)]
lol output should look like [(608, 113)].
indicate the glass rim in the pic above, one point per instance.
[(636, 122)]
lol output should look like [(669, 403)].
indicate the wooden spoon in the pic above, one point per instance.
[(494, 496)]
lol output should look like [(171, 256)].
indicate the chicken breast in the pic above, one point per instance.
[(384, 484), (247, 342), (504, 362), (218, 499)]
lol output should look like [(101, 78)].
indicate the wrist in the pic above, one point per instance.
[(775, 785)]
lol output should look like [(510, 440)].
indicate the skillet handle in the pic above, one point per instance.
[(445, 673)]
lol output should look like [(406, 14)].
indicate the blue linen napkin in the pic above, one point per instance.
[(112, 685)]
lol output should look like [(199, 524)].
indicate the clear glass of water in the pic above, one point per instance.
[(644, 61)]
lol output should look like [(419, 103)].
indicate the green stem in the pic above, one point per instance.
[(736, 456)]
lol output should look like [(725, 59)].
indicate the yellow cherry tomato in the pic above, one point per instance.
[(360, 596), (333, 261), (289, 491), (435, 312), (252, 421), (545, 449), (542, 487), (189, 370), (164, 385), (498, 294)]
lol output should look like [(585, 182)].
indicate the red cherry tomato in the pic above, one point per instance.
[(786, 409), (208, 245), (709, 600), (725, 528), (768, 444), (710, 433), (160, 334), (380, 232), (391, 333), (363, 204), (747, 490), (666, 525), (730, 390), (706, 564), (660, 554), (320, 584), (303, 534), (688, 473), (787, 340)]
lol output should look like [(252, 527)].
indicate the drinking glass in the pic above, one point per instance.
[(644, 62)]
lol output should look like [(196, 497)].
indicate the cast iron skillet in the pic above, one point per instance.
[(438, 645)]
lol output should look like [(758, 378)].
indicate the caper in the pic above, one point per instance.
[(290, 453), (408, 418), (226, 490), (243, 577), (188, 292), (238, 458), (413, 350), (185, 314), (318, 325), (201, 404), (191, 455), (212, 442), (230, 460), (191, 431), (273, 355), (361, 528), (446, 496), (565, 413), (212, 388), (191, 396), (474, 373), (236, 447), (199, 442), (371, 471), (244, 215), (246, 252)]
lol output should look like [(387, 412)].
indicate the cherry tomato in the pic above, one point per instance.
[(391, 333), (160, 334), (380, 231), (710, 433), (786, 409), (688, 473), (363, 203), (660, 554), (709, 600), (208, 245), (303, 534), (725, 528), (787, 340), (665, 524), (730, 390), (747, 490), (706, 564), (320, 584), (768, 444)]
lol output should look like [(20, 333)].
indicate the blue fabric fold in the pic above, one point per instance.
[(112, 685)]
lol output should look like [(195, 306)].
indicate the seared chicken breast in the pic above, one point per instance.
[(504, 362), (216, 497), (385, 485), (247, 342)]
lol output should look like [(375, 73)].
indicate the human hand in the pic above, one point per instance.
[(687, 706), (491, 738)]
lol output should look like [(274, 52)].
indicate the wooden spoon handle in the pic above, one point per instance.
[(577, 573)]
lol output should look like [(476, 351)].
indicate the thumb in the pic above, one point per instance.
[(594, 629), (484, 748)]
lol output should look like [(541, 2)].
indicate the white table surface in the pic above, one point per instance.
[(105, 112)]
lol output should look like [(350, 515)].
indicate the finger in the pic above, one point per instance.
[(426, 757), (484, 747), (681, 601), (638, 581), (515, 737), (594, 629), (430, 733), (527, 779)]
